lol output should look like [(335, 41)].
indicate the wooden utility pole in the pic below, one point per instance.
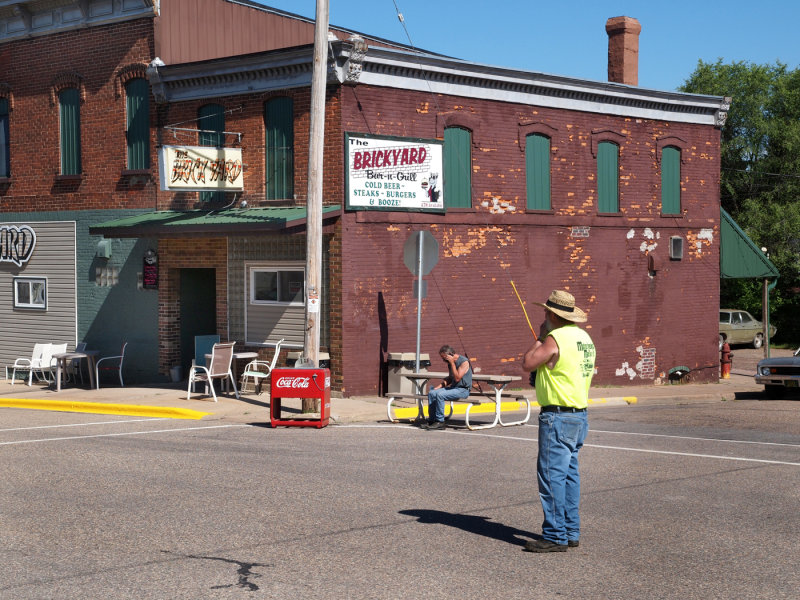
[(314, 202)]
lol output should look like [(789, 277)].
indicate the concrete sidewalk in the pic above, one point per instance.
[(169, 400)]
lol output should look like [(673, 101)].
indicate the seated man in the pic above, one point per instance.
[(455, 387)]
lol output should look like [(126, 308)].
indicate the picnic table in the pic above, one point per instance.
[(497, 383)]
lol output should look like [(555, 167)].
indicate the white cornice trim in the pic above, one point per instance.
[(392, 68), (20, 19)]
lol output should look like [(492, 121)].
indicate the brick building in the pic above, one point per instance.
[(605, 189)]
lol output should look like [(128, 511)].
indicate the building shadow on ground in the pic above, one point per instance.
[(473, 524)]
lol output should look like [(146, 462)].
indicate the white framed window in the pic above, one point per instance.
[(277, 286), (30, 292)]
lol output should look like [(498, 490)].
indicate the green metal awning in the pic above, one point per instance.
[(232, 220), (739, 257)]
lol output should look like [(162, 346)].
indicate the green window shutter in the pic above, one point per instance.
[(70, 117), (211, 122), (537, 169), (5, 150), (457, 168), (279, 151), (670, 181), (137, 92), (608, 177)]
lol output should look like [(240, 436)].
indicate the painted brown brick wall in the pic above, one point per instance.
[(643, 322), (99, 57)]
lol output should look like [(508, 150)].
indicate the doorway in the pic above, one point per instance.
[(198, 309)]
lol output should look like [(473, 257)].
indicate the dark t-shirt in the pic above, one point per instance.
[(466, 380)]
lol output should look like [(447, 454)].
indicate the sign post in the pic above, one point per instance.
[(420, 255)]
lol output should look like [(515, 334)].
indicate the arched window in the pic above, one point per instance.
[(137, 105), (211, 123), (457, 167), (537, 170), (671, 181), (70, 131), (279, 150), (608, 177)]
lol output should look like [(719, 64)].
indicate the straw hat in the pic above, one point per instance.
[(563, 304)]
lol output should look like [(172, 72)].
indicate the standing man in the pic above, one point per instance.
[(563, 358), (455, 386)]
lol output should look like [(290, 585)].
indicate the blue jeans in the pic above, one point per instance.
[(437, 399), (561, 436)]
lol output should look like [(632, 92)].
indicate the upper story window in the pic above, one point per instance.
[(537, 169), (279, 150), (5, 145), (608, 177), (211, 123), (137, 105), (457, 167), (70, 130), (671, 181)]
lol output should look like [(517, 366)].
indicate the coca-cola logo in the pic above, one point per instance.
[(299, 383)]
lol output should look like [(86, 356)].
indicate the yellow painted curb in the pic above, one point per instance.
[(101, 408), (460, 409), (625, 399), (488, 407)]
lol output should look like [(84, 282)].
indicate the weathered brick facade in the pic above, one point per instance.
[(639, 312)]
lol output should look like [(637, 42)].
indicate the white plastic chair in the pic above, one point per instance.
[(110, 367), (31, 364), (48, 368), (219, 368), (259, 370)]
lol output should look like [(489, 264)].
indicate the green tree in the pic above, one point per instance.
[(760, 176)]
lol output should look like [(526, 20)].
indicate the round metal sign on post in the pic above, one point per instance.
[(430, 252)]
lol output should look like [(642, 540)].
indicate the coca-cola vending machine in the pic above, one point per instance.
[(300, 383)]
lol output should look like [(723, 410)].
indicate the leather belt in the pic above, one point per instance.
[(557, 408)]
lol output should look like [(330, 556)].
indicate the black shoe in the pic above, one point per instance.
[(544, 546), (573, 543), (436, 425)]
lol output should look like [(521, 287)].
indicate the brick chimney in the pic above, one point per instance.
[(623, 50)]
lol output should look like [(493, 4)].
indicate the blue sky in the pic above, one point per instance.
[(569, 38)]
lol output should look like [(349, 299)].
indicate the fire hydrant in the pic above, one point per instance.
[(726, 360)]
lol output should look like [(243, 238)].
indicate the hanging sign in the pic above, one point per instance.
[(16, 244), (150, 270), (392, 173), (201, 169)]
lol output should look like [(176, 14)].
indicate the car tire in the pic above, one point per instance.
[(758, 341), (774, 392)]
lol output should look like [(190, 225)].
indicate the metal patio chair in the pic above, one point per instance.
[(258, 371), (219, 368), (115, 364)]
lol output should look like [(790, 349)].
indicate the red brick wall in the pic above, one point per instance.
[(642, 324), (186, 253), (98, 57)]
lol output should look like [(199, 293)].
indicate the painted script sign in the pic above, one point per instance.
[(16, 244), (201, 169), (391, 173)]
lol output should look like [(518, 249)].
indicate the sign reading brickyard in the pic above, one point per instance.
[(201, 168), (392, 173)]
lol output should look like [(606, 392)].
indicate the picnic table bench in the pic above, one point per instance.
[(476, 397)]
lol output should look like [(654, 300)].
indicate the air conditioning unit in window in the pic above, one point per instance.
[(676, 248)]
